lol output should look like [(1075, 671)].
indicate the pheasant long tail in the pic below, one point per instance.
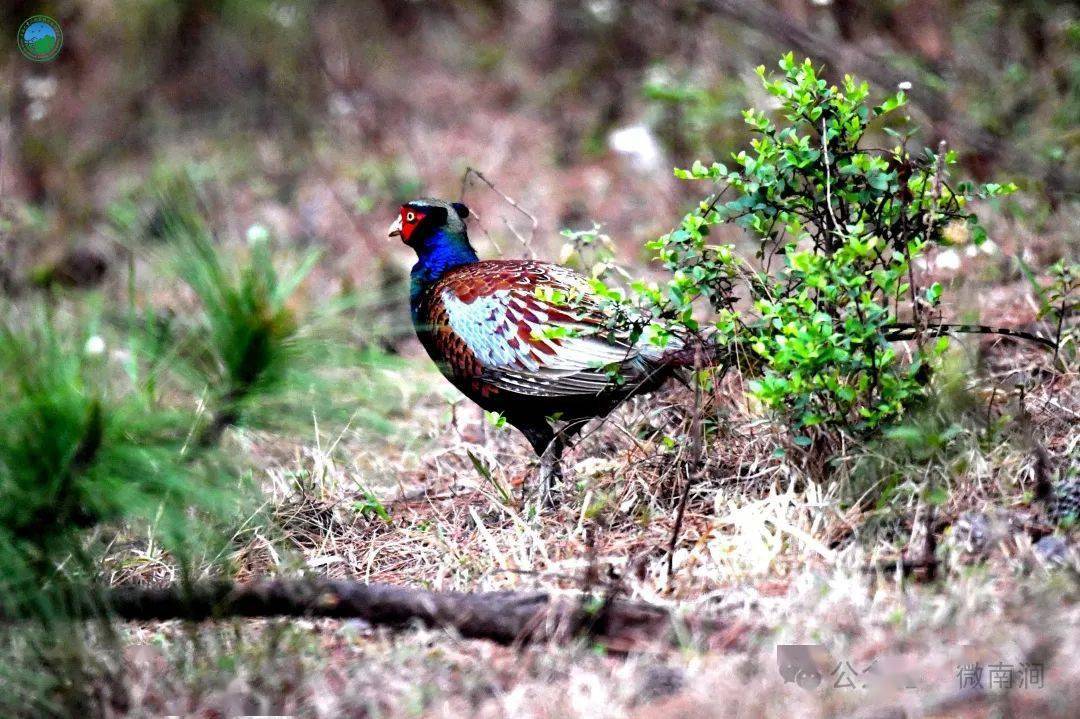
[(906, 331)]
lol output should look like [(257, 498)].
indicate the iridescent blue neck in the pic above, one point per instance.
[(440, 253)]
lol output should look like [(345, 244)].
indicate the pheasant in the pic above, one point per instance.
[(527, 339)]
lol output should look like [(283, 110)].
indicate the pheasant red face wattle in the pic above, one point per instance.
[(406, 224)]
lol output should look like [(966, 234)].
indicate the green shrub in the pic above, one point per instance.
[(837, 226), (1058, 302)]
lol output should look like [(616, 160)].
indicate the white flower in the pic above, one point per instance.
[(639, 145), (95, 346), (658, 75), (285, 15), (36, 110), (256, 234), (905, 85), (40, 88), (948, 260), (602, 10)]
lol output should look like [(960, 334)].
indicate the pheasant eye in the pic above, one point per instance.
[(410, 217)]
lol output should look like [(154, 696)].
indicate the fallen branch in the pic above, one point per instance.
[(503, 617)]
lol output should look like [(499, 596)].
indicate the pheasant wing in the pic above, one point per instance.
[(533, 328)]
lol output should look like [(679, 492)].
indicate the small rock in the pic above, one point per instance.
[(81, 268), (659, 680), (973, 534), (1052, 549)]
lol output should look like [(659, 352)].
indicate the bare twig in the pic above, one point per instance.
[(935, 192), (828, 174), (907, 566), (527, 243), (694, 467), (990, 409), (904, 331), (920, 554)]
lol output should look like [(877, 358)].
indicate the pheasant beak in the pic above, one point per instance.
[(395, 229)]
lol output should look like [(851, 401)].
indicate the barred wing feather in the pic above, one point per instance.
[(507, 330)]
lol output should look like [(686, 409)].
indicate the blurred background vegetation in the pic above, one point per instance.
[(313, 118)]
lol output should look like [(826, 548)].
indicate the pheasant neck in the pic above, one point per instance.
[(442, 253)]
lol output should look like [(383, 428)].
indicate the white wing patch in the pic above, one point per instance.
[(478, 322)]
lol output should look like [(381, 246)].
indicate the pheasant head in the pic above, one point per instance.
[(436, 230)]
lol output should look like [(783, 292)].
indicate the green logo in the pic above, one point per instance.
[(40, 38)]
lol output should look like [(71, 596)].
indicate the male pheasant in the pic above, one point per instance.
[(524, 338)]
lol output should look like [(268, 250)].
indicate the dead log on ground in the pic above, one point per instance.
[(504, 617)]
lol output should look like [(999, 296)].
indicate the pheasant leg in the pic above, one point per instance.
[(550, 472)]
